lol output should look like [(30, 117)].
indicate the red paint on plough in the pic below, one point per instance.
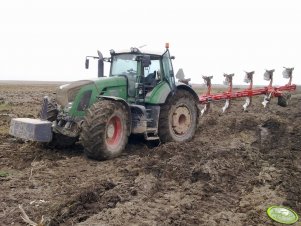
[(268, 91)]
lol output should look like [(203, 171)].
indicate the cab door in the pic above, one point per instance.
[(168, 72)]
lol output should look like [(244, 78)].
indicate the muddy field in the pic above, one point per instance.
[(237, 165)]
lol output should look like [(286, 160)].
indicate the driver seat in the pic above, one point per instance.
[(150, 82), (150, 79)]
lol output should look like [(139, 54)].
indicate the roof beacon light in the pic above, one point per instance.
[(167, 45)]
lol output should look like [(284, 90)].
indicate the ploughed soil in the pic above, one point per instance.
[(237, 165)]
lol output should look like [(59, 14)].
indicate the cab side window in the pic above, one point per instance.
[(151, 73)]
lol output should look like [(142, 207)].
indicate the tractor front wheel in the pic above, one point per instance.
[(105, 130), (178, 117), (58, 140), (52, 111)]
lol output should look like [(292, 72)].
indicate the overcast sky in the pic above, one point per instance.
[(48, 40)]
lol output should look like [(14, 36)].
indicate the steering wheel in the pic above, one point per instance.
[(131, 72)]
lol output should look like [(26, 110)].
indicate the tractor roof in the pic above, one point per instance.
[(137, 50)]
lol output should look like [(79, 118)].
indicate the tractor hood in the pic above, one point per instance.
[(67, 93)]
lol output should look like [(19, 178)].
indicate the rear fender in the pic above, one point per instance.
[(189, 89), (162, 92), (113, 98), (182, 86)]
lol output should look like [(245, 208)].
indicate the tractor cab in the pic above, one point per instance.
[(143, 70)]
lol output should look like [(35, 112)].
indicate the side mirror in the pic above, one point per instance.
[(87, 63), (146, 61)]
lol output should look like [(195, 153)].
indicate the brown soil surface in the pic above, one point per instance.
[(237, 165)]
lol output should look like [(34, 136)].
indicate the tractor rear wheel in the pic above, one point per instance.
[(105, 130), (178, 117)]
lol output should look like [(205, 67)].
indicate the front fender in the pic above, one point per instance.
[(159, 94), (113, 98), (162, 91)]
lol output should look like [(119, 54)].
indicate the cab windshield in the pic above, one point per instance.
[(124, 64)]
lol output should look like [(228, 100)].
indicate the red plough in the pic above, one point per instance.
[(269, 91)]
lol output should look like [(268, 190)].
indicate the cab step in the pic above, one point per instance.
[(151, 134)]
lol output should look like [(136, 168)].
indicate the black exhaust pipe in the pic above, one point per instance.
[(100, 72), (100, 68)]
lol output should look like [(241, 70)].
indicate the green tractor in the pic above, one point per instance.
[(140, 96)]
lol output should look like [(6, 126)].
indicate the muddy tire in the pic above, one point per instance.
[(51, 111), (283, 100), (178, 117), (105, 130), (58, 140)]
